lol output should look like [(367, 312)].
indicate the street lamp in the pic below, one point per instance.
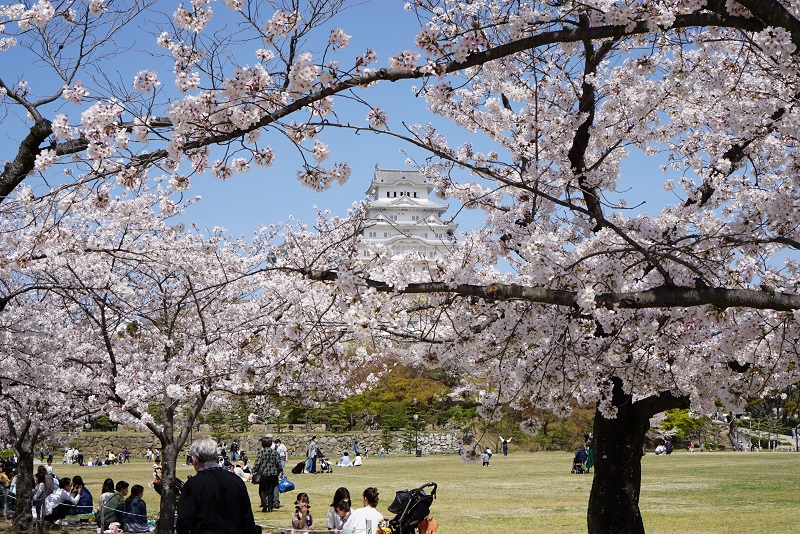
[(416, 435)]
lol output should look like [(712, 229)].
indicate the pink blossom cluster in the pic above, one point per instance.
[(61, 127), (76, 93), (369, 57), (221, 171), (264, 157), (6, 43), (404, 61), (130, 177), (775, 41), (428, 39), (198, 158), (179, 182), (239, 165), (146, 81), (39, 15), (265, 55), (320, 151), (195, 20), (280, 25), (246, 82), (338, 39), (45, 159), (190, 110), (466, 45), (187, 81), (377, 118), (319, 179), (96, 7), (303, 74)]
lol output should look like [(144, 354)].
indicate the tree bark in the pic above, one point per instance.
[(618, 446), (22, 507), (167, 506)]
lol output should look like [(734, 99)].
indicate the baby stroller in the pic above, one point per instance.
[(579, 462), (411, 507), (323, 465)]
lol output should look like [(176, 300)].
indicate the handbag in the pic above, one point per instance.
[(256, 478), (285, 485)]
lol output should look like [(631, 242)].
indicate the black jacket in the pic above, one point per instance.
[(215, 501)]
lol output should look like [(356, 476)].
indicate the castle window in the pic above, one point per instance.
[(415, 194)]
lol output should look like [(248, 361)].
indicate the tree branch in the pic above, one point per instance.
[(659, 297)]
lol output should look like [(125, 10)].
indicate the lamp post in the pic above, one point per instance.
[(416, 435)]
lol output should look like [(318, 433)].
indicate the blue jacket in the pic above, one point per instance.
[(134, 519), (85, 504)]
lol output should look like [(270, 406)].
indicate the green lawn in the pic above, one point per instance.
[(535, 493)]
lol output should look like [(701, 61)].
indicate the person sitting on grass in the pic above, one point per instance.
[(301, 517), (334, 521), (84, 505), (134, 519), (345, 461), (112, 508), (357, 523), (57, 504)]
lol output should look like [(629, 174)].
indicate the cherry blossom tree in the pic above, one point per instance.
[(165, 314), (571, 291), (175, 319), (40, 385)]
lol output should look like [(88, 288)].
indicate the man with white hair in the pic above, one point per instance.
[(214, 500)]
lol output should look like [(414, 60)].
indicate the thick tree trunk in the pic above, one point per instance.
[(614, 500), (166, 510), (618, 446), (22, 508)]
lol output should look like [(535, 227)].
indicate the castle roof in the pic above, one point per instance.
[(388, 177)]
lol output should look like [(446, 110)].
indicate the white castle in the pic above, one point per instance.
[(401, 217)]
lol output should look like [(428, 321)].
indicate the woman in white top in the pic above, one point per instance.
[(357, 523)]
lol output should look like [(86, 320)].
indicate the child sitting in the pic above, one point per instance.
[(301, 517)]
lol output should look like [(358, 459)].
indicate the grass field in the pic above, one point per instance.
[(535, 493)]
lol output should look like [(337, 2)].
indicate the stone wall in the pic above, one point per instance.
[(332, 444)]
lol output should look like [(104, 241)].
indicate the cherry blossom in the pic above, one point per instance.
[(146, 81), (338, 39)]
